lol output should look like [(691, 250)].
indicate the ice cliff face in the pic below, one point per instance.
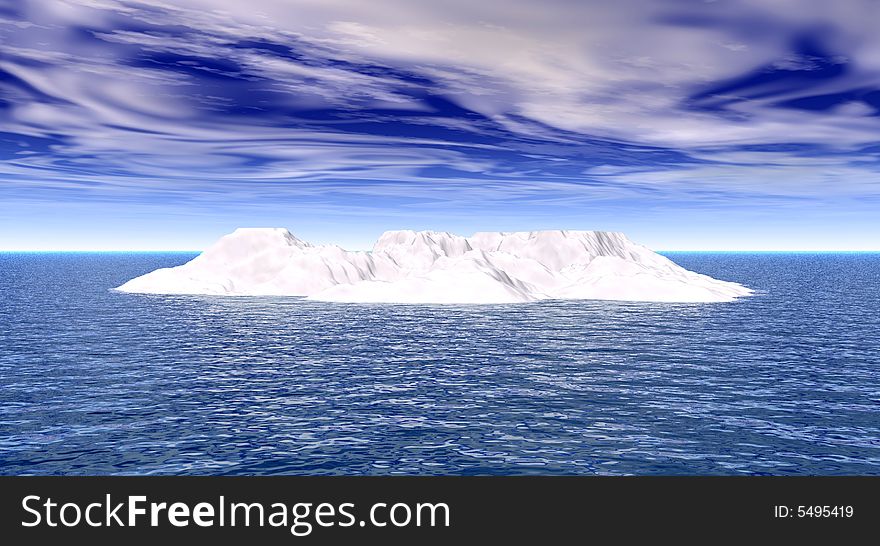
[(438, 267)]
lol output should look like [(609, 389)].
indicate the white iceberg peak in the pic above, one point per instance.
[(266, 236), (438, 267)]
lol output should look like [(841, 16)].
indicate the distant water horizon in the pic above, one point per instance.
[(95, 381), (190, 251)]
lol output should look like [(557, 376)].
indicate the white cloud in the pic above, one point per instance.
[(615, 70)]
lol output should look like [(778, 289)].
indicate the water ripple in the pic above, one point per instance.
[(99, 382)]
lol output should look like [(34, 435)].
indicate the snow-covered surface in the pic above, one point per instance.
[(438, 267)]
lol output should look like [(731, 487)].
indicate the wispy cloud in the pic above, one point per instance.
[(461, 103)]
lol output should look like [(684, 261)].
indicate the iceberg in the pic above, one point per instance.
[(438, 267)]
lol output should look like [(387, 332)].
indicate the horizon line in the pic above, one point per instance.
[(192, 251)]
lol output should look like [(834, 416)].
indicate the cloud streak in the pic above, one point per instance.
[(461, 104)]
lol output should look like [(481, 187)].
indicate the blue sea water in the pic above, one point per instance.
[(98, 382)]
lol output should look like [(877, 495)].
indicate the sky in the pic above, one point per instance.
[(690, 125)]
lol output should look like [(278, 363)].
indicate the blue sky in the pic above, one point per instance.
[(686, 124)]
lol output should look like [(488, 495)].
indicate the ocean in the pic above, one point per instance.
[(98, 382)]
